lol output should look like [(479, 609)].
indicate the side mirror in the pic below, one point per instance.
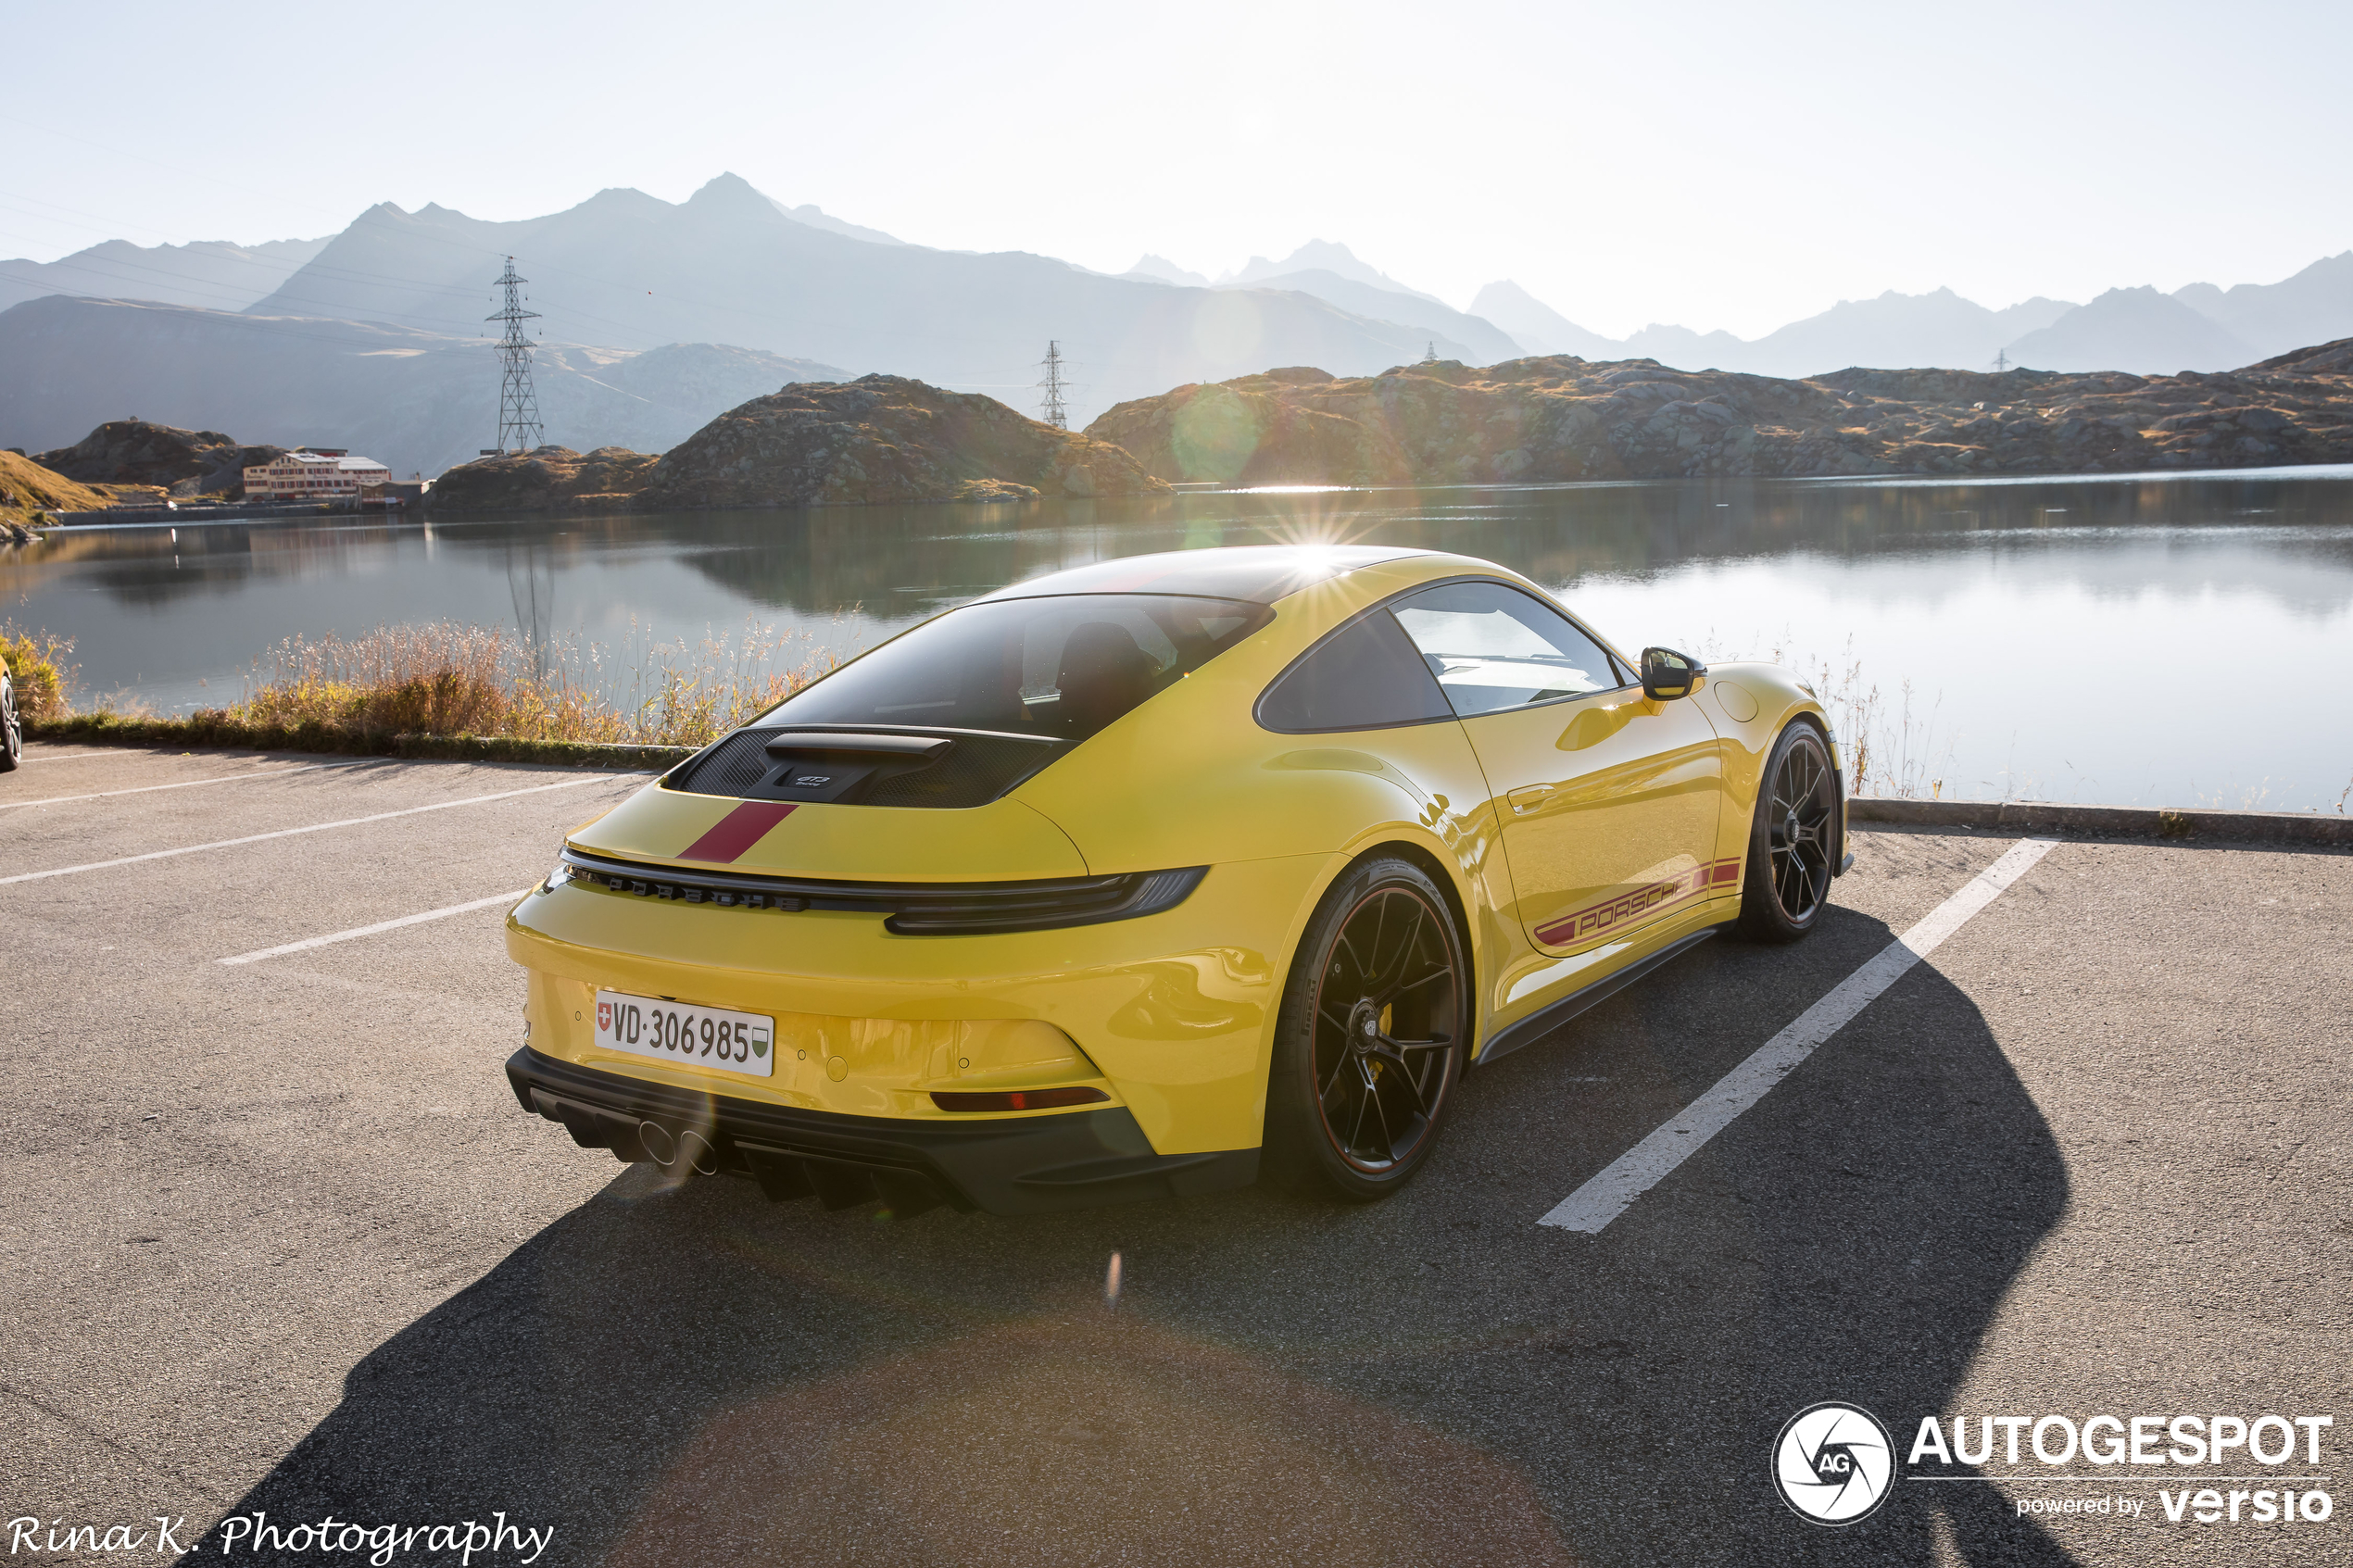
[(1668, 675)]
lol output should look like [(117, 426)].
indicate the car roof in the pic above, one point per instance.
[(1261, 573)]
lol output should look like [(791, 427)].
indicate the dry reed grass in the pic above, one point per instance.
[(39, 672), (1888, 751), (443, 679)]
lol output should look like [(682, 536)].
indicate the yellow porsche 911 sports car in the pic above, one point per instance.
[(1157, 876)]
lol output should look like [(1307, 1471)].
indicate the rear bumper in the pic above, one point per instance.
[(1005, 1166)]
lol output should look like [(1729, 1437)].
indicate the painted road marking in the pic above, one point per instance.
[(1607, 1194), (184, 783), (315, 827), (76, 756), (358, 932)]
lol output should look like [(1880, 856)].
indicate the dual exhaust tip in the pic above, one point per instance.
[(680, 1151)]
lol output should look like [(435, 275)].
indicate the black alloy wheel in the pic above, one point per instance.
[(11, 727), (1792, 840), (1373, 1035)]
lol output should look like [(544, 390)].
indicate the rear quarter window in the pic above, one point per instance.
[(1367, 676)]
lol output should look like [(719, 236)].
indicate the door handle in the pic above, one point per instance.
[(1529, 799)]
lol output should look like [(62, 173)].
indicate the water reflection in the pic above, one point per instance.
[(2016, 603)]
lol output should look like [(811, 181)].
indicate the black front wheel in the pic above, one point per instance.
[(1791, 840), (1372, 1038)]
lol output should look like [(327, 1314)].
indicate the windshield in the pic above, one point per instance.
[(1060, 668)]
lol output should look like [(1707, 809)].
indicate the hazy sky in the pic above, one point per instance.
[(1726, 166)]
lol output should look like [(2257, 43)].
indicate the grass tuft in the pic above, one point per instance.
[(445, 678), (38, 669)]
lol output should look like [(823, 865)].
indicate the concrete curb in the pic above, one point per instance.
[(2177, 824), (212, 733)]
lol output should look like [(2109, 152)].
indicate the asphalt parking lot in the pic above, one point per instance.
[(279, 1240)]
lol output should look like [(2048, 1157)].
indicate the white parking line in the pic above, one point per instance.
[(315, 827), (372, 930), (184, 783), (1607, 1194), (73, 756)]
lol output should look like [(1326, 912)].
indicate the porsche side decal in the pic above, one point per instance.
[(1595, 919), (738, 831)]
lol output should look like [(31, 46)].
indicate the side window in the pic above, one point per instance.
[(1369, 677), (1492, 647)]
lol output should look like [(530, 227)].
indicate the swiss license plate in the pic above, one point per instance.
[(732, 1042)]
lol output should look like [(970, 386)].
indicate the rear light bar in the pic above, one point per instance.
[(1014, 1099), (933, 908)]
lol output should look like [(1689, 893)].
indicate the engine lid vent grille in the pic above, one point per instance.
[(866, 766)]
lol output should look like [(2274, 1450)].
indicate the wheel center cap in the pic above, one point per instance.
[(1791, 831), (1363, 1027)]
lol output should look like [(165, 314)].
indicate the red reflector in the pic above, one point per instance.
[(1016, 1099)]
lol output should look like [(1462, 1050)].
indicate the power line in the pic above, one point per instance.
[(518, 403)]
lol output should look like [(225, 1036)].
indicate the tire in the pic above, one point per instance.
[(1791, 840), (1372, 1038), (11, 728)]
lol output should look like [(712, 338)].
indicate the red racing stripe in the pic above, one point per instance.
[(738, 831)]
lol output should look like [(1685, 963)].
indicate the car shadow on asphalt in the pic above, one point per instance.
[(690, 1376), (1852, 1237)]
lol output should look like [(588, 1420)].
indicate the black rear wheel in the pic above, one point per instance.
[(1372, 1038), (11, 727), (1791, 840)]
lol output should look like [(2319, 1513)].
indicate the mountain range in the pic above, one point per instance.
[(209, 274), (415, 400), (658, 315), (2198, 327)]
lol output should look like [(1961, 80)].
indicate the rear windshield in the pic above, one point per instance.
[(1060, 666)]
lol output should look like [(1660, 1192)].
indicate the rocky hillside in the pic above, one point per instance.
[(551, 479), (1561, 418), (877, 439), (27, 488), (183, 462)]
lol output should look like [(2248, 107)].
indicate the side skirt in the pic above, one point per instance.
[(1537, 1024)]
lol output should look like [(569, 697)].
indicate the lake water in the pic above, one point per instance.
[(2171, 640)]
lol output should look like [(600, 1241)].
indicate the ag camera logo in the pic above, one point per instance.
[(1833, 1463)]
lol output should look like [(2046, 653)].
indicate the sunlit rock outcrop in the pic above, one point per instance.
[(1560, 418), (877, 439)]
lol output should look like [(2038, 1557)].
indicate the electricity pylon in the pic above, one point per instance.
[(1050, 405), (518, 427), (1429, 354)]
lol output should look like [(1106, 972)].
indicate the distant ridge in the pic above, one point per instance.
[(209, 274), (418, 401), (2138, 329), (1321, 256), (2198, 327), (732, 265), (1159, 269)]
